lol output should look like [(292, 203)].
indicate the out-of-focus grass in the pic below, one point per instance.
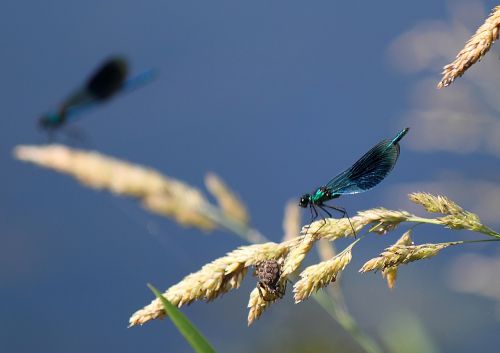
[(405, 333)]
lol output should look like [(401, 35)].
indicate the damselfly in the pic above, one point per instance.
[(109, 80), (363, 175)]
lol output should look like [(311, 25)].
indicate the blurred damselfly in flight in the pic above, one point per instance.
[(109, 80)]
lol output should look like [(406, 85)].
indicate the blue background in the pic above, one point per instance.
[(276, 97)]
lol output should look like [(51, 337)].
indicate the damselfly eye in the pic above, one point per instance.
[(304, 200)]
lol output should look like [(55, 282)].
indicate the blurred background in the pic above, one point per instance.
[(276, 97)]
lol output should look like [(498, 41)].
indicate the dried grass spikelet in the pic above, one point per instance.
[(390, 273), (435, 203), (326, 251), (291, 221), (214, 279), (332, 228), (183, 210), (94, 169), (384, 220), (230, 204), (475, 48), (396, 255), (160, 194), (296, 255), (320, 275), (257, 306), (457, 217), (466, 220)]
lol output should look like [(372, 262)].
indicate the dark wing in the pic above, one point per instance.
[(84, 100), (368, 171), (108, 79)]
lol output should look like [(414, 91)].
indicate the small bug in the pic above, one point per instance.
[(269, 272)]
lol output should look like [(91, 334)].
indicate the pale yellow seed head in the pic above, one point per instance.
[(465, 220), (475, 48), (320, 275), (95, 170), (396, 255), (182, 210), (257, 306), (391, 273), (384, 220), (158, 193), (330, 228), (213, 279), (297, 254), (435, 204), (230, 204)]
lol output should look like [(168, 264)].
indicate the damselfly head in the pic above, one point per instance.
[(305, 200)]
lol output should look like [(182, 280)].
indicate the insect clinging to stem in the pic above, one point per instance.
[(269, 274)]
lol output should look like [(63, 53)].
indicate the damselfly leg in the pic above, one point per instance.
[(343, 211)]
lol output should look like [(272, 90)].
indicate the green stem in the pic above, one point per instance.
[(490, 232), (424, 220), (347, 322), (479, 240), (240, 229), (338, 311)]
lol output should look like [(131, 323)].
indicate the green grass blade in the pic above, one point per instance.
[(188, 330)]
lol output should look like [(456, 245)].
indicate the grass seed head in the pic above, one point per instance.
[(230, 204), (396, 255), (257, 306), (475, 48), (435, 204), (297, 254), (320, 275), (391, 273), (214, 279), (158, 193)]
